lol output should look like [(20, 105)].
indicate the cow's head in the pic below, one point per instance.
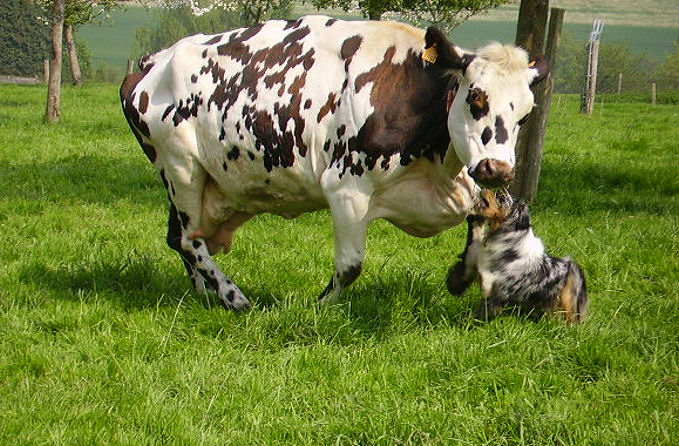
[(493, 99)]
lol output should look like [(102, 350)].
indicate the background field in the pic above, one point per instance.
[(637, 26), (103, 343)]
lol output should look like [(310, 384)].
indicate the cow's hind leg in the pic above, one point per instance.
[(186, 197), (465, 271), (174, 241)]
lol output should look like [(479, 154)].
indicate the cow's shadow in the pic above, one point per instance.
[(373, 308)]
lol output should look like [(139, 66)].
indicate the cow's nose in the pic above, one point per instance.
[(492, 173)]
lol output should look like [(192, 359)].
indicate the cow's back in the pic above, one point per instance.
[(267, 111)]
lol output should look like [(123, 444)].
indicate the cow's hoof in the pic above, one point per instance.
[(236, 301), (457, 281)]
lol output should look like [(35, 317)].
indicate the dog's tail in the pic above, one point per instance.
[(573, 296)]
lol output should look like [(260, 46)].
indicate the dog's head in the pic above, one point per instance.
[(500, 210), (493, 207)]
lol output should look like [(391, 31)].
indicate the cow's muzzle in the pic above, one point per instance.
[(492, 173)]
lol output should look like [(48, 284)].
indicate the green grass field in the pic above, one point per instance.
[(113, 43), (102, 342)]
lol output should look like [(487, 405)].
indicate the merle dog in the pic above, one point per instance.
[(511, 264)]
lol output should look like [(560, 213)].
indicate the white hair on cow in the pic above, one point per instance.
[(508, 58)]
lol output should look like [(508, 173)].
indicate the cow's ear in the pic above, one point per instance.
[(440, 51), (538, 69)]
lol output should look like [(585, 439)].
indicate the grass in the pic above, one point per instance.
[(113, 44), (103, 343)]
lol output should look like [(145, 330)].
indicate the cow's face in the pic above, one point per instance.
[(492, 101)]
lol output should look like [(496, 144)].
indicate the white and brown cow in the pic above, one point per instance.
[(288, 117)]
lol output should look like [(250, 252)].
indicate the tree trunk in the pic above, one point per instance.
[(530, 34), (53, 110), (533, 140), (76, 74)]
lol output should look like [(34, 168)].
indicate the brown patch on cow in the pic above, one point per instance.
[(330, 22), (349, 48), (478, 103), (329, 107), (501, 135), (149, 151), (214, 40), (307, 104), (486, 135), (194, 78), (127, 97), (143, 102), (407, 121)]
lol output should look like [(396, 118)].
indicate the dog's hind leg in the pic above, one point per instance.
[(573, 297), (465, 271)]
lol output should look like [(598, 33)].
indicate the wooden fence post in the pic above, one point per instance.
[(532, 135), (619, 83), (589, 94), (653, 98), (130, 66)]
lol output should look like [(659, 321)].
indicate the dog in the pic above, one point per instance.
[(512, 266)]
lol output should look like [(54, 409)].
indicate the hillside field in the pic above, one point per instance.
[(102, 341), (113, 43)]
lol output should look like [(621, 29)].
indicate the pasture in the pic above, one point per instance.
[(101, 341)]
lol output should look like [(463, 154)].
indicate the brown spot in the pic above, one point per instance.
[(328, 107), (307, 104), (501, 135), (214, 40), (478, 103), (149, 151), (350, 46), (486, 135), (143, 102)]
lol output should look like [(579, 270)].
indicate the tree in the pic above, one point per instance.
[(76, 13), (178, 19), (667, 73), (250, 12), (24, 38), (53, 110), (446, 14)]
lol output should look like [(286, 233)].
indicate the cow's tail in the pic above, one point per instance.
[(574, 297)]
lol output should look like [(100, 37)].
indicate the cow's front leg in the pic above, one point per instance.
[(465, 271), (349, 210)]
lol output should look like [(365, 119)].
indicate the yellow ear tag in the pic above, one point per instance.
[(430, 54), (531, 64)]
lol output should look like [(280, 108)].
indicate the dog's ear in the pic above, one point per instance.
[(522, 216)]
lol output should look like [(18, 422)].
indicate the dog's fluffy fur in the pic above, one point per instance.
[(514, 269)]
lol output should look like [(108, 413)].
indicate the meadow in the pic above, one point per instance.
[(102, 341), (113, 43)]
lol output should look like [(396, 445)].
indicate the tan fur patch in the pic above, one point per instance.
[(490, 208), (568, 299)]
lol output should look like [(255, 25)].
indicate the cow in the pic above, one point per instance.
[(369, 119)]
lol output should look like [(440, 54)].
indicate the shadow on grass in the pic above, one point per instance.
[(619, 188), (84, 178), (133, 283)]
